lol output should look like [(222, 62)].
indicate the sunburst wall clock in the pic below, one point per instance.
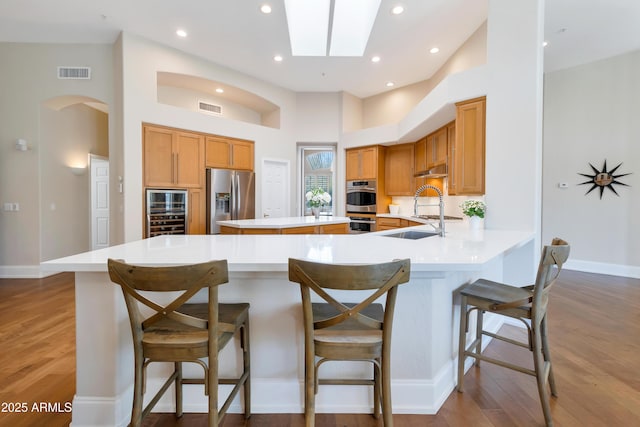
[(603, 179)]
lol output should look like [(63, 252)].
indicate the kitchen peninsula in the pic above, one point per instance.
[(287, 225), (424, 348)]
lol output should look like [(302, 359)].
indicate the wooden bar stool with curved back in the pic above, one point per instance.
[(529, 305), (348, 331), (180, 332)]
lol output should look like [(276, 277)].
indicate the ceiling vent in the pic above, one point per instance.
[(209, 108), (74, 73)]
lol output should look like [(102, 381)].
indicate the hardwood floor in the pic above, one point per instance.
[(594, 337)]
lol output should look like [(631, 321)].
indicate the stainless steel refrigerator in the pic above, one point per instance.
[(230, 196)]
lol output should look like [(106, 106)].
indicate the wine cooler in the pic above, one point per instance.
[(166, 212)]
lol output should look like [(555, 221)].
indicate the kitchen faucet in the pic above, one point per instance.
[(440, 204)]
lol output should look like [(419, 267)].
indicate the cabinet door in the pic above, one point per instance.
[(189, 160), (399, 164), (242, 155), (158, 157), (369, 163), (352, 164), (470, 146), (197, 212), (218, 152), (421, 155), (440, 146), (451, 164)]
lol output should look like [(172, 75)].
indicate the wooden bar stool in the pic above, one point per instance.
[(179, 332), (348, 331), (527, 304)]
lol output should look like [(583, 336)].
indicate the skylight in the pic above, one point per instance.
[(349, 22)]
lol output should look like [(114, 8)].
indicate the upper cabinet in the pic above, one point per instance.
[(468, 151), (172, 158), (398, 169), (362, 163), (229, 153)]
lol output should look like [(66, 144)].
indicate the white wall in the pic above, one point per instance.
[(29, 78), (68, 136), (514, 123), (591, 115)]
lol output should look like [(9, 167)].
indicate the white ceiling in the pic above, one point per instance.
[(234, 33)]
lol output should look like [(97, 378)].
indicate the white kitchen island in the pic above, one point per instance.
[(423, 368)]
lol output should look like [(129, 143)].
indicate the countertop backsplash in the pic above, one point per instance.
[(451, 204)]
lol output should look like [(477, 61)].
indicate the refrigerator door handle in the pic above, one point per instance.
[(236, 193)]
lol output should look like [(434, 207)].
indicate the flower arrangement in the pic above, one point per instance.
[(317, 197), (473, 208)]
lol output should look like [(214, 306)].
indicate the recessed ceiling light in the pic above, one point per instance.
[(397, 10), (545, 43), (390, 84), (181, 33), (375, 59), (220, 90), (434, 50), (265, 8), (277, 58)]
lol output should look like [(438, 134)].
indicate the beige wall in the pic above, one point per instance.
[(29, 79), (68, 136), (392, 106), (591, 115)]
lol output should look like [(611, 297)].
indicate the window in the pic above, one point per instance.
[(317, 170)]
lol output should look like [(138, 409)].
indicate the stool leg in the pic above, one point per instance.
[(387, 411), (377, 390), (479, 327), (138, 392), (462, 342), (178, 385), (246, 360), (539, 366), (309, 389), (547, 356)]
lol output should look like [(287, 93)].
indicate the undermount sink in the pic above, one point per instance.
[(413, 235)]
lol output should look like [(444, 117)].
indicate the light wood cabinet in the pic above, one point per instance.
[(304, 229), (361, 163), (451, 164), (399, 167), (229, 153), (197, 211), (172, 158), (386, 223), (469, 149)]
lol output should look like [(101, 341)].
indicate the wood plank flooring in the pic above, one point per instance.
[(594, 337)]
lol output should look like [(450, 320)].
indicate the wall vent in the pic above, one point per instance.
[(209, 108), (74, 73)]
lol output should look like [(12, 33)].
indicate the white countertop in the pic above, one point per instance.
[(285, 222), (461, 249)]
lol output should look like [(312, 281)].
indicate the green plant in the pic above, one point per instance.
[(473, 208)]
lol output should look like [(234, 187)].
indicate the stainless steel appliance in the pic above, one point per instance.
[(166, 212), (361, 224), (361, 196), (230, 196)]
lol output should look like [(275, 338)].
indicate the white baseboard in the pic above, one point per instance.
[(23, 272), (604, 268)]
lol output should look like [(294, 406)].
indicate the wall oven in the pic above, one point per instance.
[(361, 197), (362, 224)]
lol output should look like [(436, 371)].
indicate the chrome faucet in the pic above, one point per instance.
[(439, 229)]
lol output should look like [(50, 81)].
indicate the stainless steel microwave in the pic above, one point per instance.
[(361, 196)]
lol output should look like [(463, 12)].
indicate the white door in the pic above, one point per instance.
[(99, 202), (275, 188)]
